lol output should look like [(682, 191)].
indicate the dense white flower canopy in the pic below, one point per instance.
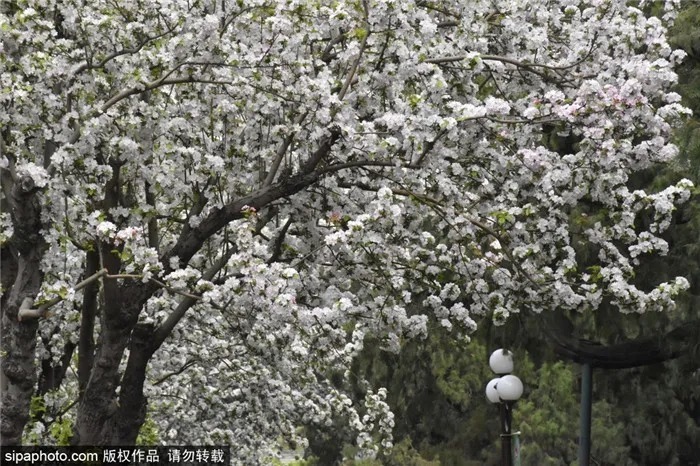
[(288, 178)]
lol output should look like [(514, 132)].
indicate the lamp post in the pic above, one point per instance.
[(505, 390)]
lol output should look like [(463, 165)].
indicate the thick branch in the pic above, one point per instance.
[(191, 240), (52, 375), (172, 320)]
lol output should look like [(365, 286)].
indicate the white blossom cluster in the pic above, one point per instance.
[(379, 166)]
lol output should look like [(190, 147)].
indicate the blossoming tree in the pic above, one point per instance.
[(207, 206)]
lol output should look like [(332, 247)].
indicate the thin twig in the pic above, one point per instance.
[(363, 45), (281, 151), (279, 241), (26, 312)]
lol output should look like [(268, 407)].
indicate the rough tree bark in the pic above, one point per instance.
[(18, 374)]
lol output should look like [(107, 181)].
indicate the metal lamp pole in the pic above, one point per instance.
[(584, 446), (506, 421), (505, 391)]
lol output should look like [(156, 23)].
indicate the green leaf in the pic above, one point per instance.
[(360, 33)]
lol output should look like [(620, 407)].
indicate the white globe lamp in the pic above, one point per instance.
[(509, 388), (492, 392), (501, 361)]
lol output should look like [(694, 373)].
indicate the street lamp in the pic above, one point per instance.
[(505, 390)]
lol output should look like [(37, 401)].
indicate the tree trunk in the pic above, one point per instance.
[(86, 345), (132, 403), (18, 373), (103, 417)]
